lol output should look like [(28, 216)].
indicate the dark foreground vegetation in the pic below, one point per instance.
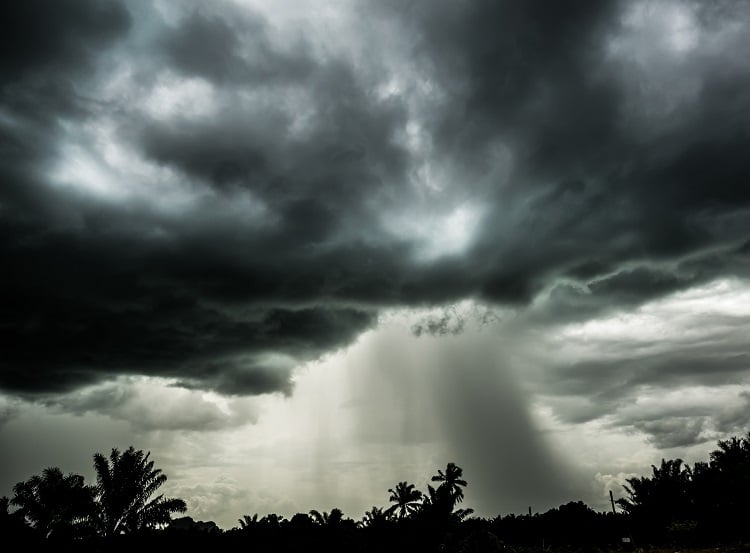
[(678, 506)]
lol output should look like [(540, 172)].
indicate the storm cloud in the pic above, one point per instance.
[(215, 196)]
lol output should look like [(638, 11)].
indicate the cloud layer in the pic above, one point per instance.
[(216, 194)]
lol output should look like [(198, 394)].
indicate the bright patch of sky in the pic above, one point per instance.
[(437, 233)]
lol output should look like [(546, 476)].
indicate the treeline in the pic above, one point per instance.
[(706, 502), (63, 508), (678, 505)]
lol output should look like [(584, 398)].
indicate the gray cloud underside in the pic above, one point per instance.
[(598, 181)]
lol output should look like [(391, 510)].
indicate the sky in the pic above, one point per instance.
[(302, 250)]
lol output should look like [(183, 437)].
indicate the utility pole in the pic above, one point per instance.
[(612, 500)]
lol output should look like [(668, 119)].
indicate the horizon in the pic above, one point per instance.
[(302, 251), (635, 498)]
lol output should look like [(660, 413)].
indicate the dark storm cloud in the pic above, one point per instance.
[(120, 309), (512, 66), (736, 420), (601, 201), (209, 45), (94, 294), (48, 53), (669, 432), (236, 379), (709, 362), (594, 287), (611, 385), (345, 153), (57, 40), (588, 192)]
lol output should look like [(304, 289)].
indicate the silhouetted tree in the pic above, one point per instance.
[(334, 518), (301, 522), (125, 483), (461, 514), (661, 500), (438, 506), (54, 504), (271, 520), (451, 482), (731, 462), (247, 521), (375, 518), (405, 498), (13, 526), (721, 488), (441, 524)]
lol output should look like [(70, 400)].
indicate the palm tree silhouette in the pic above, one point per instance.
[(247, 521), (375, 518), (125, 484), (272, 520), (405, 498), (451, 482), (662, 494), (437, 503), (55, 504), (333, 518)]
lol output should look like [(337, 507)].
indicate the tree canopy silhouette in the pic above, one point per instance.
[(675, 504), (451, 482), (708, 500), (334, 518), (405, 498), (248, 521), (376, 518), (438, 505), (124, 485), (55, 504), (664, 493)]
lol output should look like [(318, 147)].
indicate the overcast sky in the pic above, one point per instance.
[(302, 250)]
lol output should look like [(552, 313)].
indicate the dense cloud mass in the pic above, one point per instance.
[(216, 194)]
